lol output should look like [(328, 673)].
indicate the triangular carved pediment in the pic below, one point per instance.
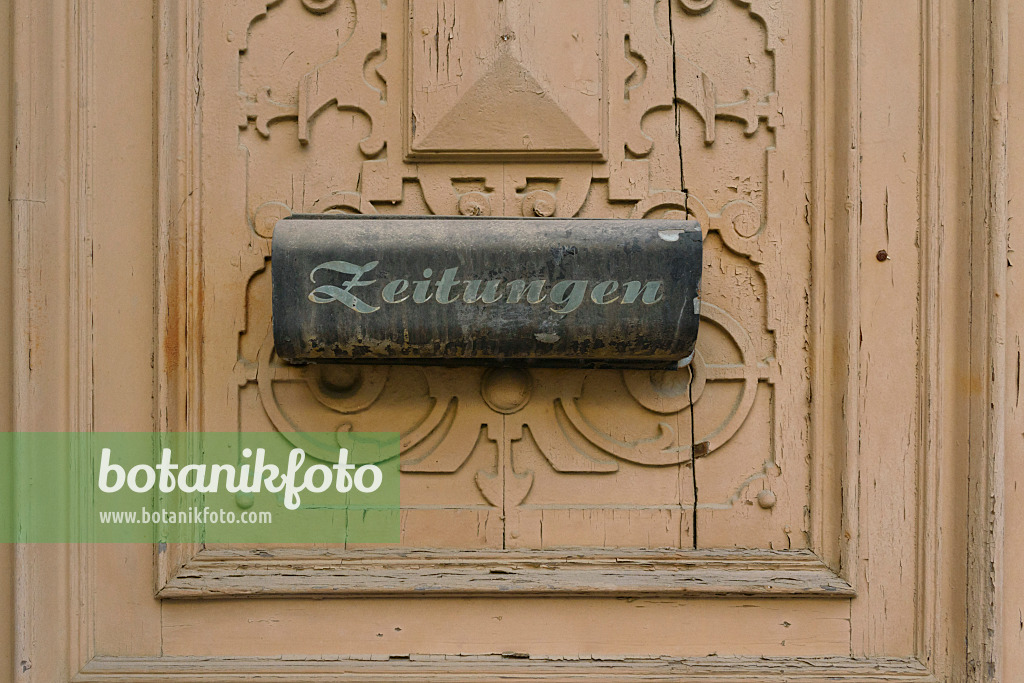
[(507, 109)]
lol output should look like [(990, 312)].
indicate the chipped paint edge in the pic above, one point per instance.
[(383, 669)]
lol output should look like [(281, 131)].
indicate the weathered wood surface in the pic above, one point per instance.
[(225, 573), (990, 404), (509, 667), (1012, 646), (543, 627)]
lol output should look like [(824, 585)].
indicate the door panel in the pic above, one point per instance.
[(361, 106)]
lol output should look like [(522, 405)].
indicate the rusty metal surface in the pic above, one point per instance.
[(461, 290)]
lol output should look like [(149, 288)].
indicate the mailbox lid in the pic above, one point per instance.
[(553, 292)]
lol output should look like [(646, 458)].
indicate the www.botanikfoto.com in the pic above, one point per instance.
[(194, 515)]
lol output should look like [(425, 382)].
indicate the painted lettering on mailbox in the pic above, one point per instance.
[(563, 296)]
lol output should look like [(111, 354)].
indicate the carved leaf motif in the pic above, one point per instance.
[(332, 82)]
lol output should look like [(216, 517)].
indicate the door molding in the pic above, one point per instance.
[(224, 572), (990, 406), (426, 668)]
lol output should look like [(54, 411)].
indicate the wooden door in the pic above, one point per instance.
[(547, 522)]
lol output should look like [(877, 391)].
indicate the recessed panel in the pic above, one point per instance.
[(512, 78)]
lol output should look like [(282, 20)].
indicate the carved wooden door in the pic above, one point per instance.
[(771, 514)]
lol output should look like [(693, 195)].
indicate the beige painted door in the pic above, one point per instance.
[(547, 523)]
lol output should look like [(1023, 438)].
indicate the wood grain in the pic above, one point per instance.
[(509, 668), (225, 573)]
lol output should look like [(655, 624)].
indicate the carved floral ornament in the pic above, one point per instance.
[(486, 118), (455, 100)]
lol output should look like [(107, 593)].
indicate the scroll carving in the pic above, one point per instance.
[(381, 109)]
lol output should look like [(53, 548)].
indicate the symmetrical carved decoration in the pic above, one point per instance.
[(518, 108)]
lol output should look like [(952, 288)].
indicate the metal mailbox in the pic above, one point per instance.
[(498, 291)]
